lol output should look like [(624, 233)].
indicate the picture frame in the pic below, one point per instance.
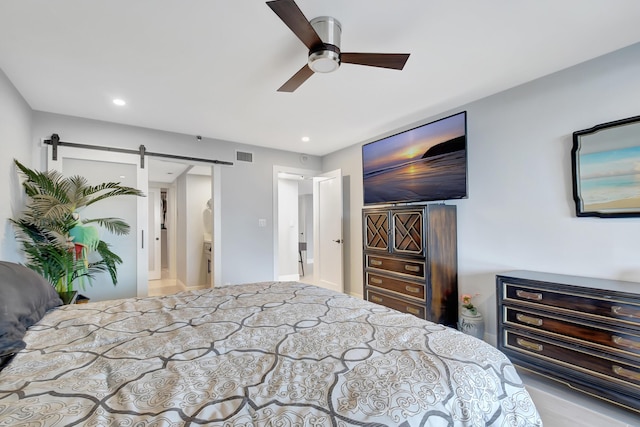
[(606, 169)]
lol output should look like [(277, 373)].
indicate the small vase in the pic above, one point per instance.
[(471, 324)]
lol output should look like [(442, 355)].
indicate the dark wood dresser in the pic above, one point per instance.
[(582, 331), (410, 260)]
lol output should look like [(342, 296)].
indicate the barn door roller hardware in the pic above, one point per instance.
[(55, 142)]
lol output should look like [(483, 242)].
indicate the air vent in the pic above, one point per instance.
[(243, 156)]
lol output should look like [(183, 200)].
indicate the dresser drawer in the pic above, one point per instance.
[(604, 308), (396, 304), (411, 289), (396, 265), (610, 370), (623, 342)]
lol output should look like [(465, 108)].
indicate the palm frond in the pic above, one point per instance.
[(52, 183), (113, 225), (110, 189), (50, 208), (109, 260), (77, 189)]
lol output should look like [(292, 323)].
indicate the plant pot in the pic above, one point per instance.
[(471, 324), (68, 297), (81, 299)]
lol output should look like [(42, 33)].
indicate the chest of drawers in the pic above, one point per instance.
[(582, 331), (410, 260)]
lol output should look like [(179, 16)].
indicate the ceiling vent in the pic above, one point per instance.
[(243, 156)]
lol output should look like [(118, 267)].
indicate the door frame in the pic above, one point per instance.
[(155, 232)]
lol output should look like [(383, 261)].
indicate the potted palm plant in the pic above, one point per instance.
[(57, 242)]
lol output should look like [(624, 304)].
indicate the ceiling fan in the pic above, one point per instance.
[(321, 36)]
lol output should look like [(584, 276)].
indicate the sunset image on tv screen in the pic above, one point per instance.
[(426, 163)]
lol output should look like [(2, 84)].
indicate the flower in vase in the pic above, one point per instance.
[(468, 305)]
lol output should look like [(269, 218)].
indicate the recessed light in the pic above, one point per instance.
[(306, 139), (119, 102)]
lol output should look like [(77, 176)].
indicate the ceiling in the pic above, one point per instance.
[(212, 67), (167, 171)]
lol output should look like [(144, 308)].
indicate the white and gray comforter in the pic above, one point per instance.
[(276, 354)]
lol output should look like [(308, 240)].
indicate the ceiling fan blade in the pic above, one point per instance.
[(394, 61), (293, 17), (298, 78)]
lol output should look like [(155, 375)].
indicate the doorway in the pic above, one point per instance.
[(301, 227), (186, 192)]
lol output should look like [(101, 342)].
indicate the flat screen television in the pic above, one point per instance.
[(426, 163)]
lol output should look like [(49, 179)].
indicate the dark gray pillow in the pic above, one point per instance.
[(25, 297)]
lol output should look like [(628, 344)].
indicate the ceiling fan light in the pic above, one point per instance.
[(324, 61)]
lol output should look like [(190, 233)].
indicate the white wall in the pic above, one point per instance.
[(15, 138), (520, 212), (250, 197), (246, 188)]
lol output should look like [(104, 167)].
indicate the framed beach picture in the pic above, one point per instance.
[(606, 169)]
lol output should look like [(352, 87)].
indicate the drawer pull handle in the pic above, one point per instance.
[(375, 280), (529, 345), (375, 299), (625, 342), (375, 262), (412, 310), (620, 371), (413, 268), (627, 312), (413, 289), (529, 295), (534, 321)]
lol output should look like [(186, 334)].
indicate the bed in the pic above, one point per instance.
[(272, 353)]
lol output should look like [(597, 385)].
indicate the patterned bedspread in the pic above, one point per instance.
[(274, 353)]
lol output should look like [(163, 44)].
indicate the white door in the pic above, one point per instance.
[(154, 241), (328, 242), (106, 166)]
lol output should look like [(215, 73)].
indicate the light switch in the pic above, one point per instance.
[(262, 222)]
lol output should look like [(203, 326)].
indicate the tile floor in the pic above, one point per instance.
[(166, 286), (308, 274)]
